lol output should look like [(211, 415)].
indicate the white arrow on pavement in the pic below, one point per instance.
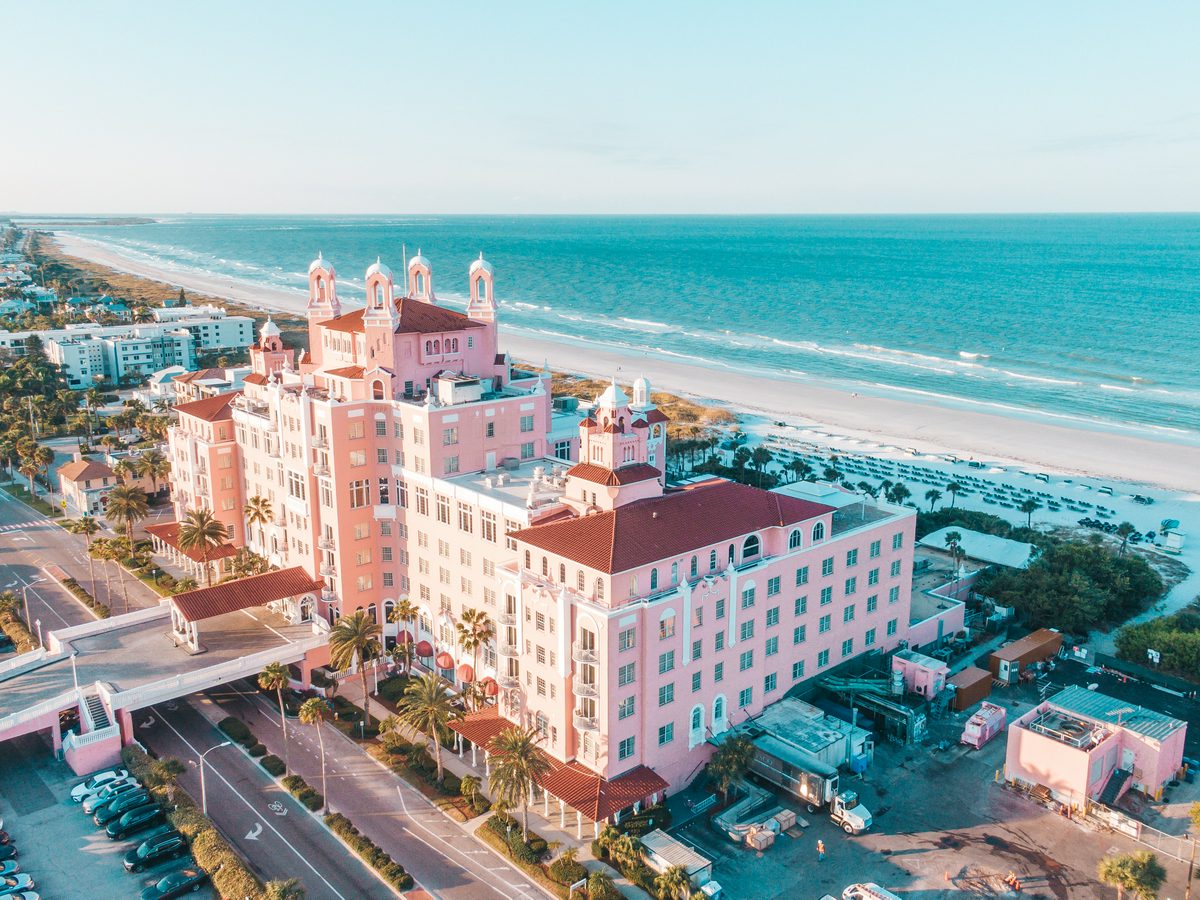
[(254, 832), (150, 721)]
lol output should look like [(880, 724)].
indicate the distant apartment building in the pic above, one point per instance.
[(404, 456), (131, 352)]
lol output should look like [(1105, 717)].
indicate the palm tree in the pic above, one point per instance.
[(802, 470), (1029, 507), (44, 457), (760, 458), (29, 468), (201, 530), (314, 711), (626, 851), (673, 884), (953, 489), (153, 464), (353, 641), (126, 470), (600, 885), (427, 706), (898, 493), (933, 495), (1124, 530), (87, 526), (952, 539), (101, 549), (126, 506), (258, 511), (404, 653), (404, 612), (275, 677), (475, 629), (729, 763), (1139, 873), (516, 764), (291, 889)]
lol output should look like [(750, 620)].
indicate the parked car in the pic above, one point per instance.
[(10, 884), (97, 781), (11, 867), (176, 884), (162, 845), (134, 822), (119, 806), (106, 793)]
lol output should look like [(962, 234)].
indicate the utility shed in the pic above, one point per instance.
[(827, 738), (663, 852), (922, 674), (971, 685), (1009, 662)]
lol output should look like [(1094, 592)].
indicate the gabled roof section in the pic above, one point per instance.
[(346, 372), (210, 409), (168, 533), (610, 477), (416, 317), (199, 375), (244, 593), (85, 470), (646, 531)]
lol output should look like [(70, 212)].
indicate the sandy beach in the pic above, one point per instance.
[(927, 428)]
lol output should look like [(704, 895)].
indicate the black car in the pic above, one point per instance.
[(164, 845), (176, 884), (133, 822), (121, 805)]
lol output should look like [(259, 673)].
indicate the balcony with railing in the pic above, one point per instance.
[(504, 648), (321, 470), (508, 682), (320, 442), (326, 543), (507, 618), (582, 654), (584, 688), (583, 722)]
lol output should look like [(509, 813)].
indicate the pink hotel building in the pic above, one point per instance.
[(404, 455)]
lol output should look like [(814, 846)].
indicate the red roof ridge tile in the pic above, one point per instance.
[(210, 409)]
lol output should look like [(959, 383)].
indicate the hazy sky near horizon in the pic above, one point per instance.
[(791, 107)]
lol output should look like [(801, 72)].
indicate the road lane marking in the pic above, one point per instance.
[(250, 806)]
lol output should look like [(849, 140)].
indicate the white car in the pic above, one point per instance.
[(106, 793), (86, 788)]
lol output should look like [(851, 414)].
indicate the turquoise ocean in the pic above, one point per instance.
[(1086, 318)]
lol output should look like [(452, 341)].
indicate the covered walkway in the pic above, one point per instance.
[(165, 539)]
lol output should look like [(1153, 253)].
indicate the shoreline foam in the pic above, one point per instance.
[(1080, 448)]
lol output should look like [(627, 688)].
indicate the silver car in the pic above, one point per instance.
[(107, 792), (96, 782)]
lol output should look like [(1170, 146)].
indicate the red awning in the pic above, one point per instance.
[(466, 674), (424, 649), (404, 637), (444, 660), (490, 687)]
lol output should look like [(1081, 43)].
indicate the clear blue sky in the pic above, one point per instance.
[(600, 107)]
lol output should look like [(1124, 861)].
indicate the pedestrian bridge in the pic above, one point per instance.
[(110, 668)]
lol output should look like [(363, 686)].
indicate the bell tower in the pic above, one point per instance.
[(323, 303), (380, 318), (420, 279), (270, 355), (482, 306), (614, 466)]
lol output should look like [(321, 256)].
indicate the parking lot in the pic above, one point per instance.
[(67, 855), (943, 827)]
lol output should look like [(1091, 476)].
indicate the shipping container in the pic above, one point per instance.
[(971, 685), (1008, 663)]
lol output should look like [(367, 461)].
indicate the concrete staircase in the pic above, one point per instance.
[(1112, 787), (96, 712)]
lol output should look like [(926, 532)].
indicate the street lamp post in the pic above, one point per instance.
[(25, 596), (203, 794), (38, 623)]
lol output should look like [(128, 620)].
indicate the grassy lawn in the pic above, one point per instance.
[(21, 492)]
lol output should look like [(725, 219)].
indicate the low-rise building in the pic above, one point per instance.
[(1082, 746), (84, 483)]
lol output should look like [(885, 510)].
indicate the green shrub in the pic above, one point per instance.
[(451, 784), (372, 854), (538, 845), (566, 870), (273, 764), (313, 801), (258, 750), (237, 730)]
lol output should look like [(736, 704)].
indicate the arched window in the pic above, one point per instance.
[(718, 719), (429, 347), (696, 726), (545, 567), (654, 579), (320, 288), (731, 554), (373, 612), (697, 718), (420, 283), (599, 588), (695, 569), (437, 346), (562, 573), (712, 561), (579, 580), (528, 563), (453, 345), (481, 289), (750, 547), (388, 606), (818, 532), (794, 539), (378, 295), (377, 390), (674, 573)]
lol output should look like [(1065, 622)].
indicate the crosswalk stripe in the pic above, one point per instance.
[(17, 526)]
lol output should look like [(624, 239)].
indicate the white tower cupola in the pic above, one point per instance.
[(322, 290), (420, 279), (482, 306)]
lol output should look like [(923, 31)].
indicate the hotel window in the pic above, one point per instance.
[(625, 708), (626, 639), (697, 616), (772, 616), (897, 540), (401, 493), (745, 697), (851, 586), (487, 526), (381, 429), (746, 660), (891, 627), (824, 624), (599, 588), (847, 646), (465, 519), (748, 597), (802, 576), (666, 662), (443, 509), (360, 494), (712, 561), (666, 628), (464, 555), (363, 582), (747, 630), (625, 748), (697, 681), (772, 646), (326, 495), (362, 557), (848, 613), (355, 430), (751, 546), (527, 450), (895, 568), (720, 608), (799, 634), (562, 450), (851, 558), (451, 465), (873, 577), (826, 596), (527, 423), (822, 659), (666, 733), (654, 579), (443, 548), (541, 686), (385, 486), (694, 569), (381, 456), (801, 606), (818, 532), (769, 683), (666, 694), (874, 549), (798, 669), (869, 638), (872, 602), (539, 622), (697, 649), (385, 554), (419, 436), (719, 672), (719, 641), (773, 586), (827, 566), (422, 496), (795, 540), (449, 436), (626, 674), (893, 594), (489, 430)]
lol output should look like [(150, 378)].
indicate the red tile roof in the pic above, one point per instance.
[(657, 415), (210, 409), (168, 533), (576, 785), (255, 378), (646, 531), (188, 377), (346, 372), (610, 477), (244, 593), (84, 470), (499, 360), (416, 317)]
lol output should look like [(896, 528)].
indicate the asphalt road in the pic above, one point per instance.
[(262, 821), (441, 855)]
